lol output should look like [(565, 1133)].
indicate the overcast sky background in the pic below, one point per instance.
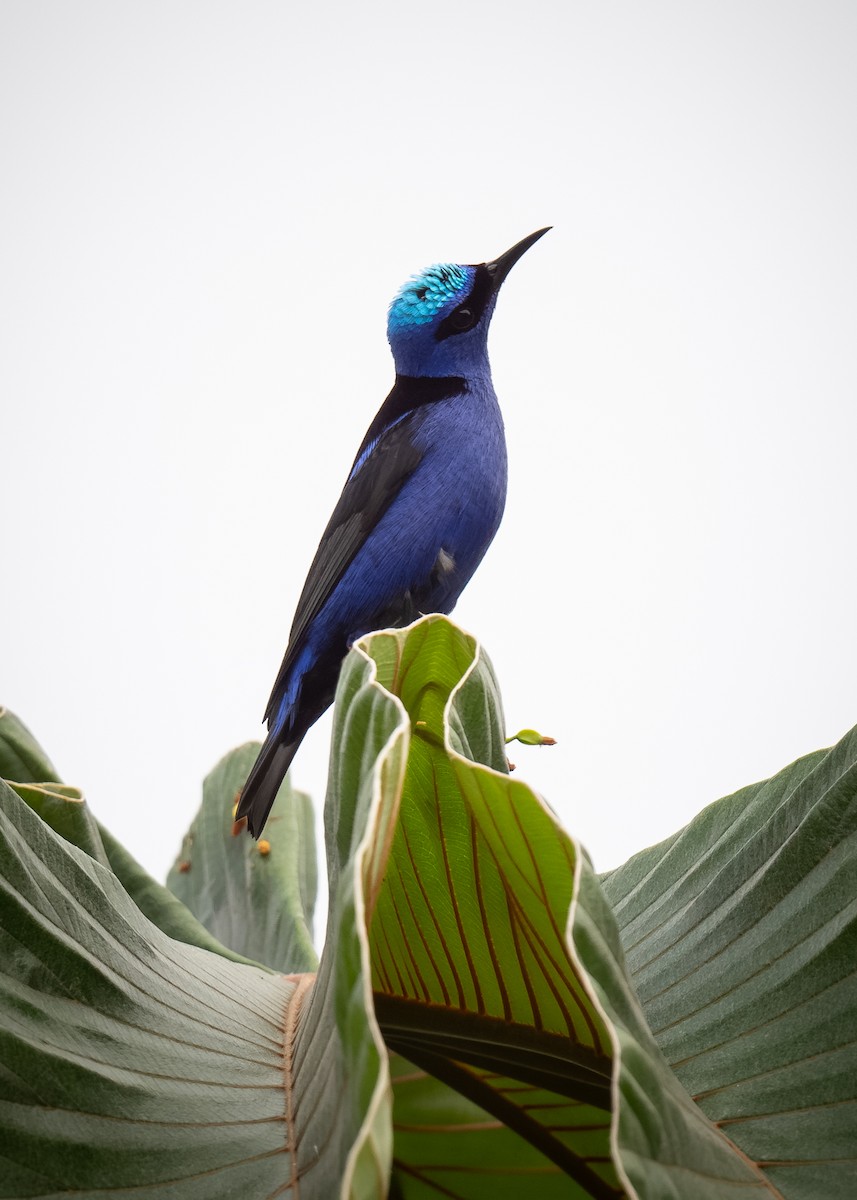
[(205, 209)]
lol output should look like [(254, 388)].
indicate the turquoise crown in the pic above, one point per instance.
[(424, 295)]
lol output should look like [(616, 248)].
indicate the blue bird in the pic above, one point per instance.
[(420, 507)]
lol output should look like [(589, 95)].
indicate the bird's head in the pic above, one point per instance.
[(438, 322)]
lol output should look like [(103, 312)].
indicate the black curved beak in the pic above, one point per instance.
[(500, 267)]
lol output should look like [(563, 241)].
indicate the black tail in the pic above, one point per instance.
[(263, 782)]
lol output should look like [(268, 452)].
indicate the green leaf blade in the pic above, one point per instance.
[(258, 904), (22, 759), (130, 1062), (471, 926), (741, 933)]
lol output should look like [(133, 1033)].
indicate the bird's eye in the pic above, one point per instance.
[(462, 317)]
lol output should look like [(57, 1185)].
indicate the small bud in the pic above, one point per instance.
[(531, 737), (184, 866), (264, 847)]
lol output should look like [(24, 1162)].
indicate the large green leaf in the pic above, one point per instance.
[(134, 1063), (496, 961), (129, 1060), (21, 756), (256, 898), (741, 935), (64, 809)]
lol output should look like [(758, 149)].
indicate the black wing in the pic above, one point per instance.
[(364, 500), (390, 458)]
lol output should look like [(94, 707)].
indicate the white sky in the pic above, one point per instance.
[(205, 209)]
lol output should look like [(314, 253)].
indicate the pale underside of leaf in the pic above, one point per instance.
[(741, 933), (135, 1065)]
